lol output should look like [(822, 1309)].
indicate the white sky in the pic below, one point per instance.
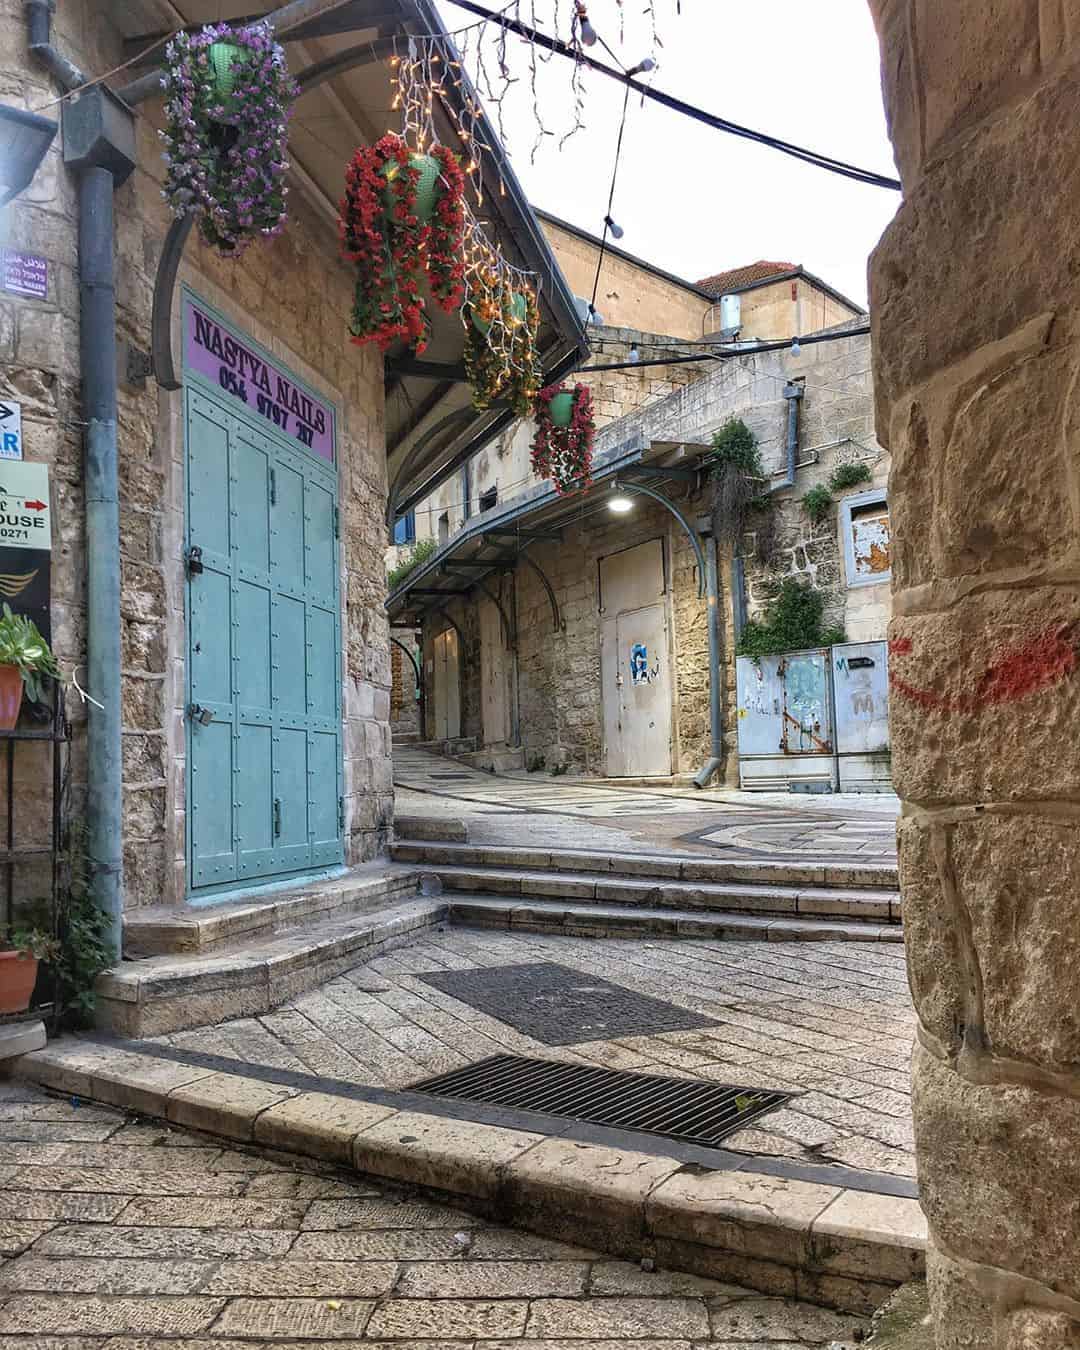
[(690, 199)]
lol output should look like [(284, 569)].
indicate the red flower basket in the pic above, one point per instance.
[(564, 453)]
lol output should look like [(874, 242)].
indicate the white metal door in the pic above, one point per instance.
[(643, 746), (447, 687), (635, 662), (493, 703)]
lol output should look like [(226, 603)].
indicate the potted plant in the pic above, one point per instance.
[(25, 660), (562, 447), (228, 100), (19, 966), (402, 216)]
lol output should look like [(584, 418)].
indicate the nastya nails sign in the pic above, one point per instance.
[(213, 351)]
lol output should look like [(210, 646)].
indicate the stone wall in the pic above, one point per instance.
[(975, 292), (293, 296)]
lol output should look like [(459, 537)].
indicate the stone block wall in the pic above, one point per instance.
[(977, 349), (292, 295)]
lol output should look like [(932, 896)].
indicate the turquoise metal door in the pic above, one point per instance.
[(264, 653)]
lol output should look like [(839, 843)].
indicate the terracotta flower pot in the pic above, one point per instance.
[(18, 975), (11, 694), (561, 408)]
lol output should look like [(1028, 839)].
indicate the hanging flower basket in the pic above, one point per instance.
[(228, 100), (402, 215), (501, 360), (563, 452)]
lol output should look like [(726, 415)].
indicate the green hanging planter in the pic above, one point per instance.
[(519, 312), (224, 57), (427, 186), (561, 409)]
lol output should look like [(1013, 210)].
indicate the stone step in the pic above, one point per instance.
[(162, 994), (659, 866), (159, 930), (811, 901), (831, 1235), (433, 829), (592, 919)]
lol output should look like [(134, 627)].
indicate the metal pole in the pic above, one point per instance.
[(98, 340)]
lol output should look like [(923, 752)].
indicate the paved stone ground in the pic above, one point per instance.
[(128, 1236), (830, 1021), (537, 809)]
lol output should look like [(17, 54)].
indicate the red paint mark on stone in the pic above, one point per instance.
[(1036, 664), (899, 646)]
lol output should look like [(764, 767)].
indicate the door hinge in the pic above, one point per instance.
[(341, 815), (277, 817), (273, 487), (337, 523)]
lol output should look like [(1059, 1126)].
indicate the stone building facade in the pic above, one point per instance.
[(975, 292), (209, 469), (551, 687)]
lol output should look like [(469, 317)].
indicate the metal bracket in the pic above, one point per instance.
[(137, 365), (193, 561)]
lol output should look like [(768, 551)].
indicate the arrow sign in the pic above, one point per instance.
[(37, 506), (10, 430), (24, 506)]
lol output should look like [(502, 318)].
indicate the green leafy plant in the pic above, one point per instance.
[(559, 769), (84, 950), (740, 486), (420, 552), (817, 503), (792, 622), (849, 475), (536, 763), (35, 942), (23, 646)]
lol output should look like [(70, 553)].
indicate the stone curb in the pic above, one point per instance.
[(662, 866), (172, 993), (614, 921), (842, 1248)]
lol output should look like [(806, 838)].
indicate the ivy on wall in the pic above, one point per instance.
[(793, 621), (740, 484), (420, 552)]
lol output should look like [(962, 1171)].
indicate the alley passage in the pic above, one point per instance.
[(121, 1235)]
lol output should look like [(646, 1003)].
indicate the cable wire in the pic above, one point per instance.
[(610, 206), (814, 157)]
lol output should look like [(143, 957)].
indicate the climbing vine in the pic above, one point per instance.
[(793, 621)]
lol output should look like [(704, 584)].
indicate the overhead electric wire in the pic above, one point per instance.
[(610, 205), (814, 157)]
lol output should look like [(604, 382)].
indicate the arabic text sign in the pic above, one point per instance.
[(24, 273), (214, 351), (24, 505)]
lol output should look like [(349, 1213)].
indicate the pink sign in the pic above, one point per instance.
[(24, 273), (213, 350)]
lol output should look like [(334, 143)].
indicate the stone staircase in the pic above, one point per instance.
[(595, 894)]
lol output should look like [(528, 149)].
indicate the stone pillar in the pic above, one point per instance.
[(975, 297)]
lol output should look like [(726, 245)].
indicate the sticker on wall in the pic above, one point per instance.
[(10, 429), (24, 273), (639, 665)]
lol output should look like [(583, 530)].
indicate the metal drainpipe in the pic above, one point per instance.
[(712, 594), (99, 146), (97, 322)]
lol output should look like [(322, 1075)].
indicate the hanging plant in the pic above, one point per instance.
[(384, 234), (501, 325), (228, 100), (563, 452)]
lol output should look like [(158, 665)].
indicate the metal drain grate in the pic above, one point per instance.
[(678, 1108)]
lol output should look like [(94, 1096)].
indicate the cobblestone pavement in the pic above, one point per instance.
[(829, 1021), (536, 809), (128, 1236)]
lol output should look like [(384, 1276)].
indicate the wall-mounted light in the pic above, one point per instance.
[(24, 140), (620, 504)]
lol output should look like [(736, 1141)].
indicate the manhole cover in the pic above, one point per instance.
[(678, 1108), (560, 1006)]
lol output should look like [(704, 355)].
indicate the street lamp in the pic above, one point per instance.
[(24, 139)]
